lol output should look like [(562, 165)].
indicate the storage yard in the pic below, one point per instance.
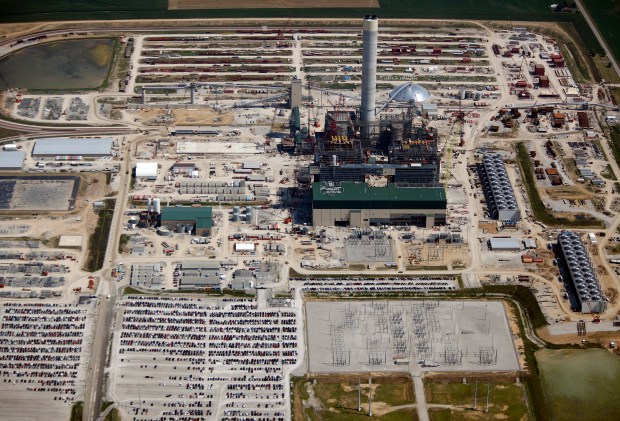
[(219, 201)]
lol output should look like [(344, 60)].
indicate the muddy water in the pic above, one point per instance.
[(71, 64), (581, 384)]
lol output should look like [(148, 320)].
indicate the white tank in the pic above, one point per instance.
[(156, 205), (148, 205)]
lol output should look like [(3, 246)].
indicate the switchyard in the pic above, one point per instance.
[(422, 335)]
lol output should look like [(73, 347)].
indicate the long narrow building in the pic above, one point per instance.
[(497, 189), (581, 272)]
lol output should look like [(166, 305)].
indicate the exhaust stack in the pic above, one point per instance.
[(369, 68)]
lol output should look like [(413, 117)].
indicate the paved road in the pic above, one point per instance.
[(94, 392), (420, 399), (599, 37)]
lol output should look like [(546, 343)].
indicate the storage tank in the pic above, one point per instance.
[(148, 205), (235, 217), (156, 205), (10, 147), (181, 228)]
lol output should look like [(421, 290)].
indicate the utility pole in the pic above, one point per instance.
[(370, 397), (475, 395), (359, 394), (486, 409)]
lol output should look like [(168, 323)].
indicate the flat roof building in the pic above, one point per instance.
[(199, 220), (581, 272), (70, 146), (504, 244), (147, 170), (360, 205), (12, 161), (497, 189)]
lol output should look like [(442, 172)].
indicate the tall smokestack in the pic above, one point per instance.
[(369, 68)]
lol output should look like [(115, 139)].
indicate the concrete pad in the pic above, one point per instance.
[(70, 241), (218, 148)]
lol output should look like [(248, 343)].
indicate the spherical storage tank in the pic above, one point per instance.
[(409, 92)]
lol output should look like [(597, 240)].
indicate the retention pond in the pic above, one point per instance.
[(580, 384), (62, 65)]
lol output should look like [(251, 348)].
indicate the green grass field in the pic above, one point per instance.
[(506, 400), (606, 13)]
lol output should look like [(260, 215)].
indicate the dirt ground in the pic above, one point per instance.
[(566, 192), (188, 117), (349, 381), (516, 334), (197, 117), (600, 337), (266, 4), (489, 227)]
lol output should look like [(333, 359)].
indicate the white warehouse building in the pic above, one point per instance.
[(146, 170), (497, 189)]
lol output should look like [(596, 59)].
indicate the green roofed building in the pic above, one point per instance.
[(200, 219), (360, 205)]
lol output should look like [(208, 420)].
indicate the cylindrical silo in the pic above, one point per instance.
[(156, 205), (148, 205), (369, 68)]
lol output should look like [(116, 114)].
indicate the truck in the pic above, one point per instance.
[(592, 238)]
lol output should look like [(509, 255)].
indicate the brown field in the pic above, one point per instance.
[(267, 4)]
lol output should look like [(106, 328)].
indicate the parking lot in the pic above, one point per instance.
[(43, 348), (192, 358)]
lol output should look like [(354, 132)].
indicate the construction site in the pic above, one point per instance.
[(280, 171)]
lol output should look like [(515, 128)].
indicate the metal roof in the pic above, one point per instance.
[(10, 160), (146, 169), (352, 195), (200, 265), (505, 243), (100, 146), (409, 92), (203, 216)]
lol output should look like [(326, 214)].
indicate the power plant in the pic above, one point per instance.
[(392, 159)]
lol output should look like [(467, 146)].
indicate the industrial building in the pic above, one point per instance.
[(371, 168), (198, 275), (146, 170), (581, 272), (188, 219), (74, 148), (12, 160), (497, 189), (504, 244), (360, 205)]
